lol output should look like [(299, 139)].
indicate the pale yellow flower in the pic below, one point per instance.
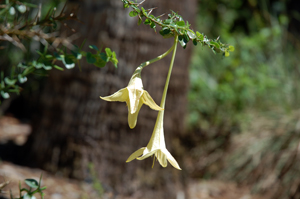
[(135, 96), (156, 146)]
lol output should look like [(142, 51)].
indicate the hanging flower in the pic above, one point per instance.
[(156, 146), (135, 96)]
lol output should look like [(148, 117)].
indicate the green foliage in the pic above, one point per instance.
[(96, 182), (18, 28), (175, 25), (259, 75), (253, 92), (34, 188), (47, 61)]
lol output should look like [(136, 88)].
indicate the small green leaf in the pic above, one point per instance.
[(32, 183), (68, 62), (227, 53), (195, 42), (134, 6), (115, 63), (215, 44), (38, 65), (152, 17), (22, 79), (186, 38), (153, 25), (76, 54), (49, 56), (147, 21), (90, 58), (108, 52), (133, 14), (180, 23), (164, 31), (100, 63), (144, 12), (9, 81), (28, 196), (28, 70), (231, 48), (114, 60), (182, 41), (21, 8), (139, 21), (58, 68), (191, 34), (47, 67), (94, 47), (168, 21), (57, 56), (12, 11), (104, 57), (40, 53), (21, 65), (5, 95), (199, 36)]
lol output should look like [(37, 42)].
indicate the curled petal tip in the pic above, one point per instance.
[(132, 126), (120, 96), (132, 119), (136, 154), (172, 160), (148, 100)]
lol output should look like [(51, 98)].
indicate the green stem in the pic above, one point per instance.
[(163, 99), (139, 69), (160, 115)]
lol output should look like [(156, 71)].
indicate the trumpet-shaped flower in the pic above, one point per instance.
[(156, 146), (135, 96)]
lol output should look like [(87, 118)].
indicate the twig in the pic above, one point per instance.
[(141, 3)]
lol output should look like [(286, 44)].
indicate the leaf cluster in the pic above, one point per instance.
[(16, 26), (16, 23), (34, 188), (100, 59), (175, 25), (48, 61)]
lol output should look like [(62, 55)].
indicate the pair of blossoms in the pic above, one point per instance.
[(135, 96)]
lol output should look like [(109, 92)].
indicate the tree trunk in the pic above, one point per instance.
[(77, 129)]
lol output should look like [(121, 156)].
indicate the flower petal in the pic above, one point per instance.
[(121, 96), (132, 118), (147, 99), (171, 159), (135, 95), (161, 158), (136, 154), (147, 154)]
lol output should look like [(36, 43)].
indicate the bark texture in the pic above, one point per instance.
[(76, 128)]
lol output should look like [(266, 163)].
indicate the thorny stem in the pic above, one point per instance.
[(184, 32)]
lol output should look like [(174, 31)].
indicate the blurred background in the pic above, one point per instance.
[(232, 123)]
